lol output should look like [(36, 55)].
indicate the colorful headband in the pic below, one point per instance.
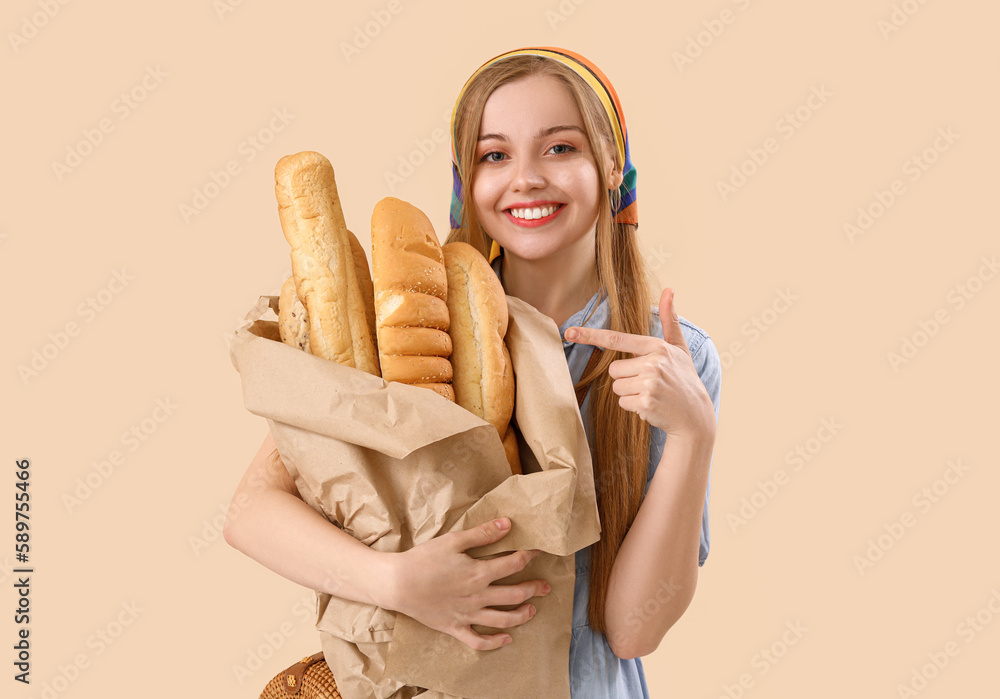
[(627, 209)]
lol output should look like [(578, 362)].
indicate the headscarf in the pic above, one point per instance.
[(627, 210)]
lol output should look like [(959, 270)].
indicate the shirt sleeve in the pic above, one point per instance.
[(706, 360), (709, 366)]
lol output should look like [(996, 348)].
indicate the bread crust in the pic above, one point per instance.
[(477, 304), (293, 323), (364, 277), (411, 290), (444, 389), (323, 261), (510, 447)]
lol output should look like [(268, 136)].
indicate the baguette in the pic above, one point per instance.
[(483, 372), (293, 321), (327, 280), (510, 447), (410, 289)]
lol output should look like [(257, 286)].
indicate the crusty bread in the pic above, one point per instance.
[(444, 389), (411, 288), (510, 447), (323, 261), (365, 279), (293, 323), (477, 305)]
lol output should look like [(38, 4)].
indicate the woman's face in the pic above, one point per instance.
[(535, 184)]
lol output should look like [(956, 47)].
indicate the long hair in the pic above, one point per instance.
[(620, 446)]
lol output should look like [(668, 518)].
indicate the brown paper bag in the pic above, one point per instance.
[(396, 465)]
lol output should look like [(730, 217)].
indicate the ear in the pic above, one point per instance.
[(615, 179), (613, 176)]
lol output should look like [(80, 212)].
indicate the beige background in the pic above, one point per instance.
[(140, 560)]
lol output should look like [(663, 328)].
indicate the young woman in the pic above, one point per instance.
[(541, 148), (544, 187)]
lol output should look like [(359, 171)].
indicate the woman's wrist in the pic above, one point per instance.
[(366, 575), (698, 442), (383, 575)]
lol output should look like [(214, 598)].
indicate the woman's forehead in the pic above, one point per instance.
[(524, 105)]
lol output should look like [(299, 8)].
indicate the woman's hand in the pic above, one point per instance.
[(444, 588), (659, 383)]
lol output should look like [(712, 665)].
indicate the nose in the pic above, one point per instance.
[(527, 175)]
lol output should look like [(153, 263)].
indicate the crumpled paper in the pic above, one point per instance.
[(396, 465)]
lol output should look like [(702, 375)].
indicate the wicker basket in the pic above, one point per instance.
[(310, 678)]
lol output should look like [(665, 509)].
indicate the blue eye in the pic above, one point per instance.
[(566, 146), (489, 159)]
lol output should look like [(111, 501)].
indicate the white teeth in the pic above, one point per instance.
[(531, 214)]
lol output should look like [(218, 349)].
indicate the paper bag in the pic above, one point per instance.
[(396, 465)]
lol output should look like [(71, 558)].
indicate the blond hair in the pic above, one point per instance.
[(620, 438)]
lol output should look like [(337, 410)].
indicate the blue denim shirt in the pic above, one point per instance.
[(595, 671)]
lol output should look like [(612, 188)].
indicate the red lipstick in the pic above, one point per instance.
[(534, 222)]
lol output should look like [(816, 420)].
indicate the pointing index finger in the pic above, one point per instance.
[(611, 339)]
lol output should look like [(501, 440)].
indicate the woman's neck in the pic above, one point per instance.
[(558, 286)]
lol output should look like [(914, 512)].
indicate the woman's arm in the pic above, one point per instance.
[(658, 560), (269, 521), (655, 571), (435, 582)]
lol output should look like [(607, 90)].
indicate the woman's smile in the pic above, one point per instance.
[(536, 186), (533, 215)]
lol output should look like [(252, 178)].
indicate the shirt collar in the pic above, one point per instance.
[(593, 315)]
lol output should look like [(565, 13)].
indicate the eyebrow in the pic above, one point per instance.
[(541, 134)]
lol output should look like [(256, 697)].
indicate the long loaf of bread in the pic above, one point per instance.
[(411, 290), (483, 373), (293, 321), (327, 280), (427, 315)]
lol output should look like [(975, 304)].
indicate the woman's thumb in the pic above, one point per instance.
[(487, 533), (670, 321)]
